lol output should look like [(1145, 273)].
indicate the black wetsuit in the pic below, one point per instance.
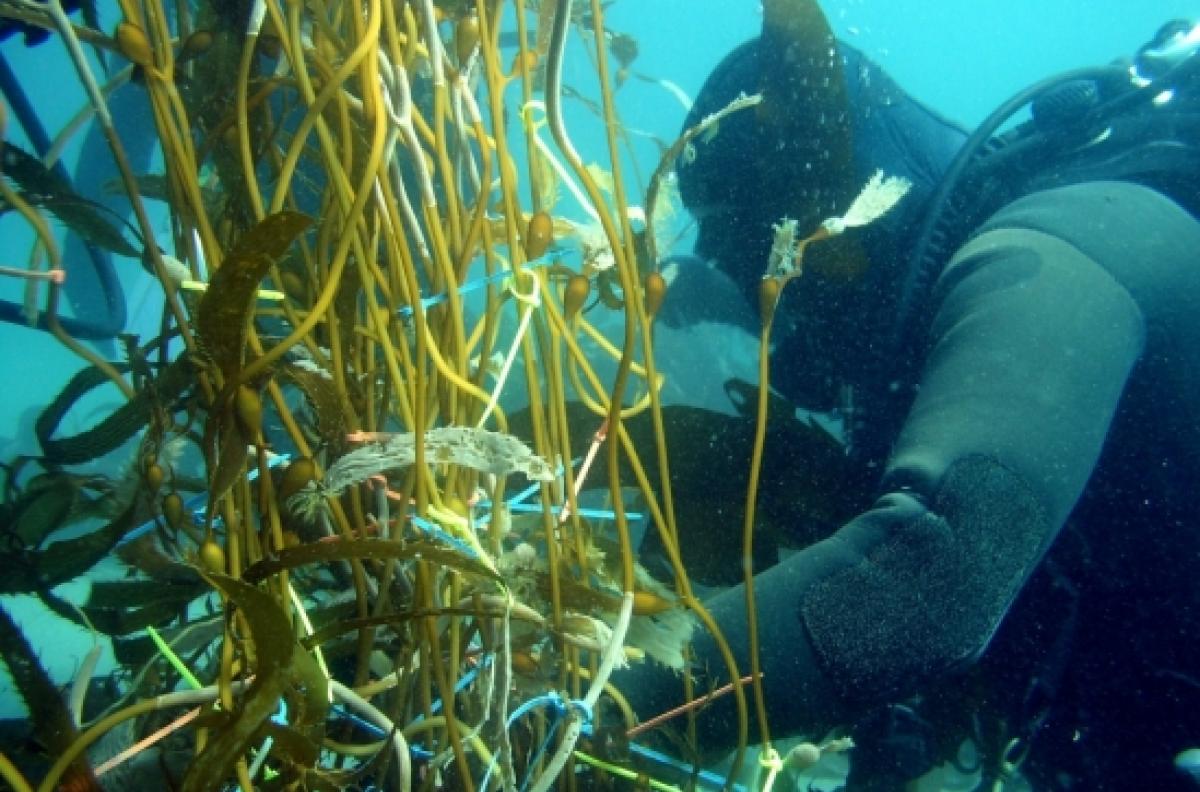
[(1034, 516)]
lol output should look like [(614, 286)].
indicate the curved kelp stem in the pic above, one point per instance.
[(365, 447), (615, 648), (768, 300)]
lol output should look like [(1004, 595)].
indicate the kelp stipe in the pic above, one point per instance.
[(366, 267)]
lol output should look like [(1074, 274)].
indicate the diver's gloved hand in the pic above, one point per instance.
[(799, 695), (799, 689), (896, 597)]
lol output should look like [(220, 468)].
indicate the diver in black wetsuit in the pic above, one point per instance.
[(1021, 337)]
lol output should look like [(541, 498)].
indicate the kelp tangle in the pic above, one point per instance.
[(344, 563)]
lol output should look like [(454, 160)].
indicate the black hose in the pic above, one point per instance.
[(921, 270), (924, 262), (90, 328)]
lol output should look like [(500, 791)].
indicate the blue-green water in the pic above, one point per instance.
[(962, 58)]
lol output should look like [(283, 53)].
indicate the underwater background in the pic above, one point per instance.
[(961, 58)]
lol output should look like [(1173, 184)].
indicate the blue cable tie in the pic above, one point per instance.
[(596, 514), (416, 751), (515, 502), (534, 488), (528, 492), (555, 702), (474, 285), (584, 711), (551, 700), (435, 532), (706, 777), (197, 503), (536, 760), (559, 706), (358, 720), (436, 706), (463, 681)]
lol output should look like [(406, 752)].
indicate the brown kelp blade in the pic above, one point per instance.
[(52, 724), (40, 186), (28, 570), (275, 649), (120, 607), (42, 507), (223, 315), (323, 399), (123, 423), (378, 549)]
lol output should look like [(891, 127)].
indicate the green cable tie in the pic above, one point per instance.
[(626, 773), (173, 659)]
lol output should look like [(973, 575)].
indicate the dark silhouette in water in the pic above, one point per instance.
[(1021, 339)]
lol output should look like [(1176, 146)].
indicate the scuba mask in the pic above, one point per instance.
[(1175, 42), (791, 156)]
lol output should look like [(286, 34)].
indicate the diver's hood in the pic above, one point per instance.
[(792, 155), (829, 119)]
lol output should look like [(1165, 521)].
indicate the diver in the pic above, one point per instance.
[(1015, 348)]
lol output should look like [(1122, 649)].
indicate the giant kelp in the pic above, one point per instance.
[(355, 560)]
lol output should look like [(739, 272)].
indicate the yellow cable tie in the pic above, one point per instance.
[(263, 294), (627, 774), (770, 761)]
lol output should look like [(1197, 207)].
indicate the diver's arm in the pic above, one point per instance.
[(1030, 350)]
